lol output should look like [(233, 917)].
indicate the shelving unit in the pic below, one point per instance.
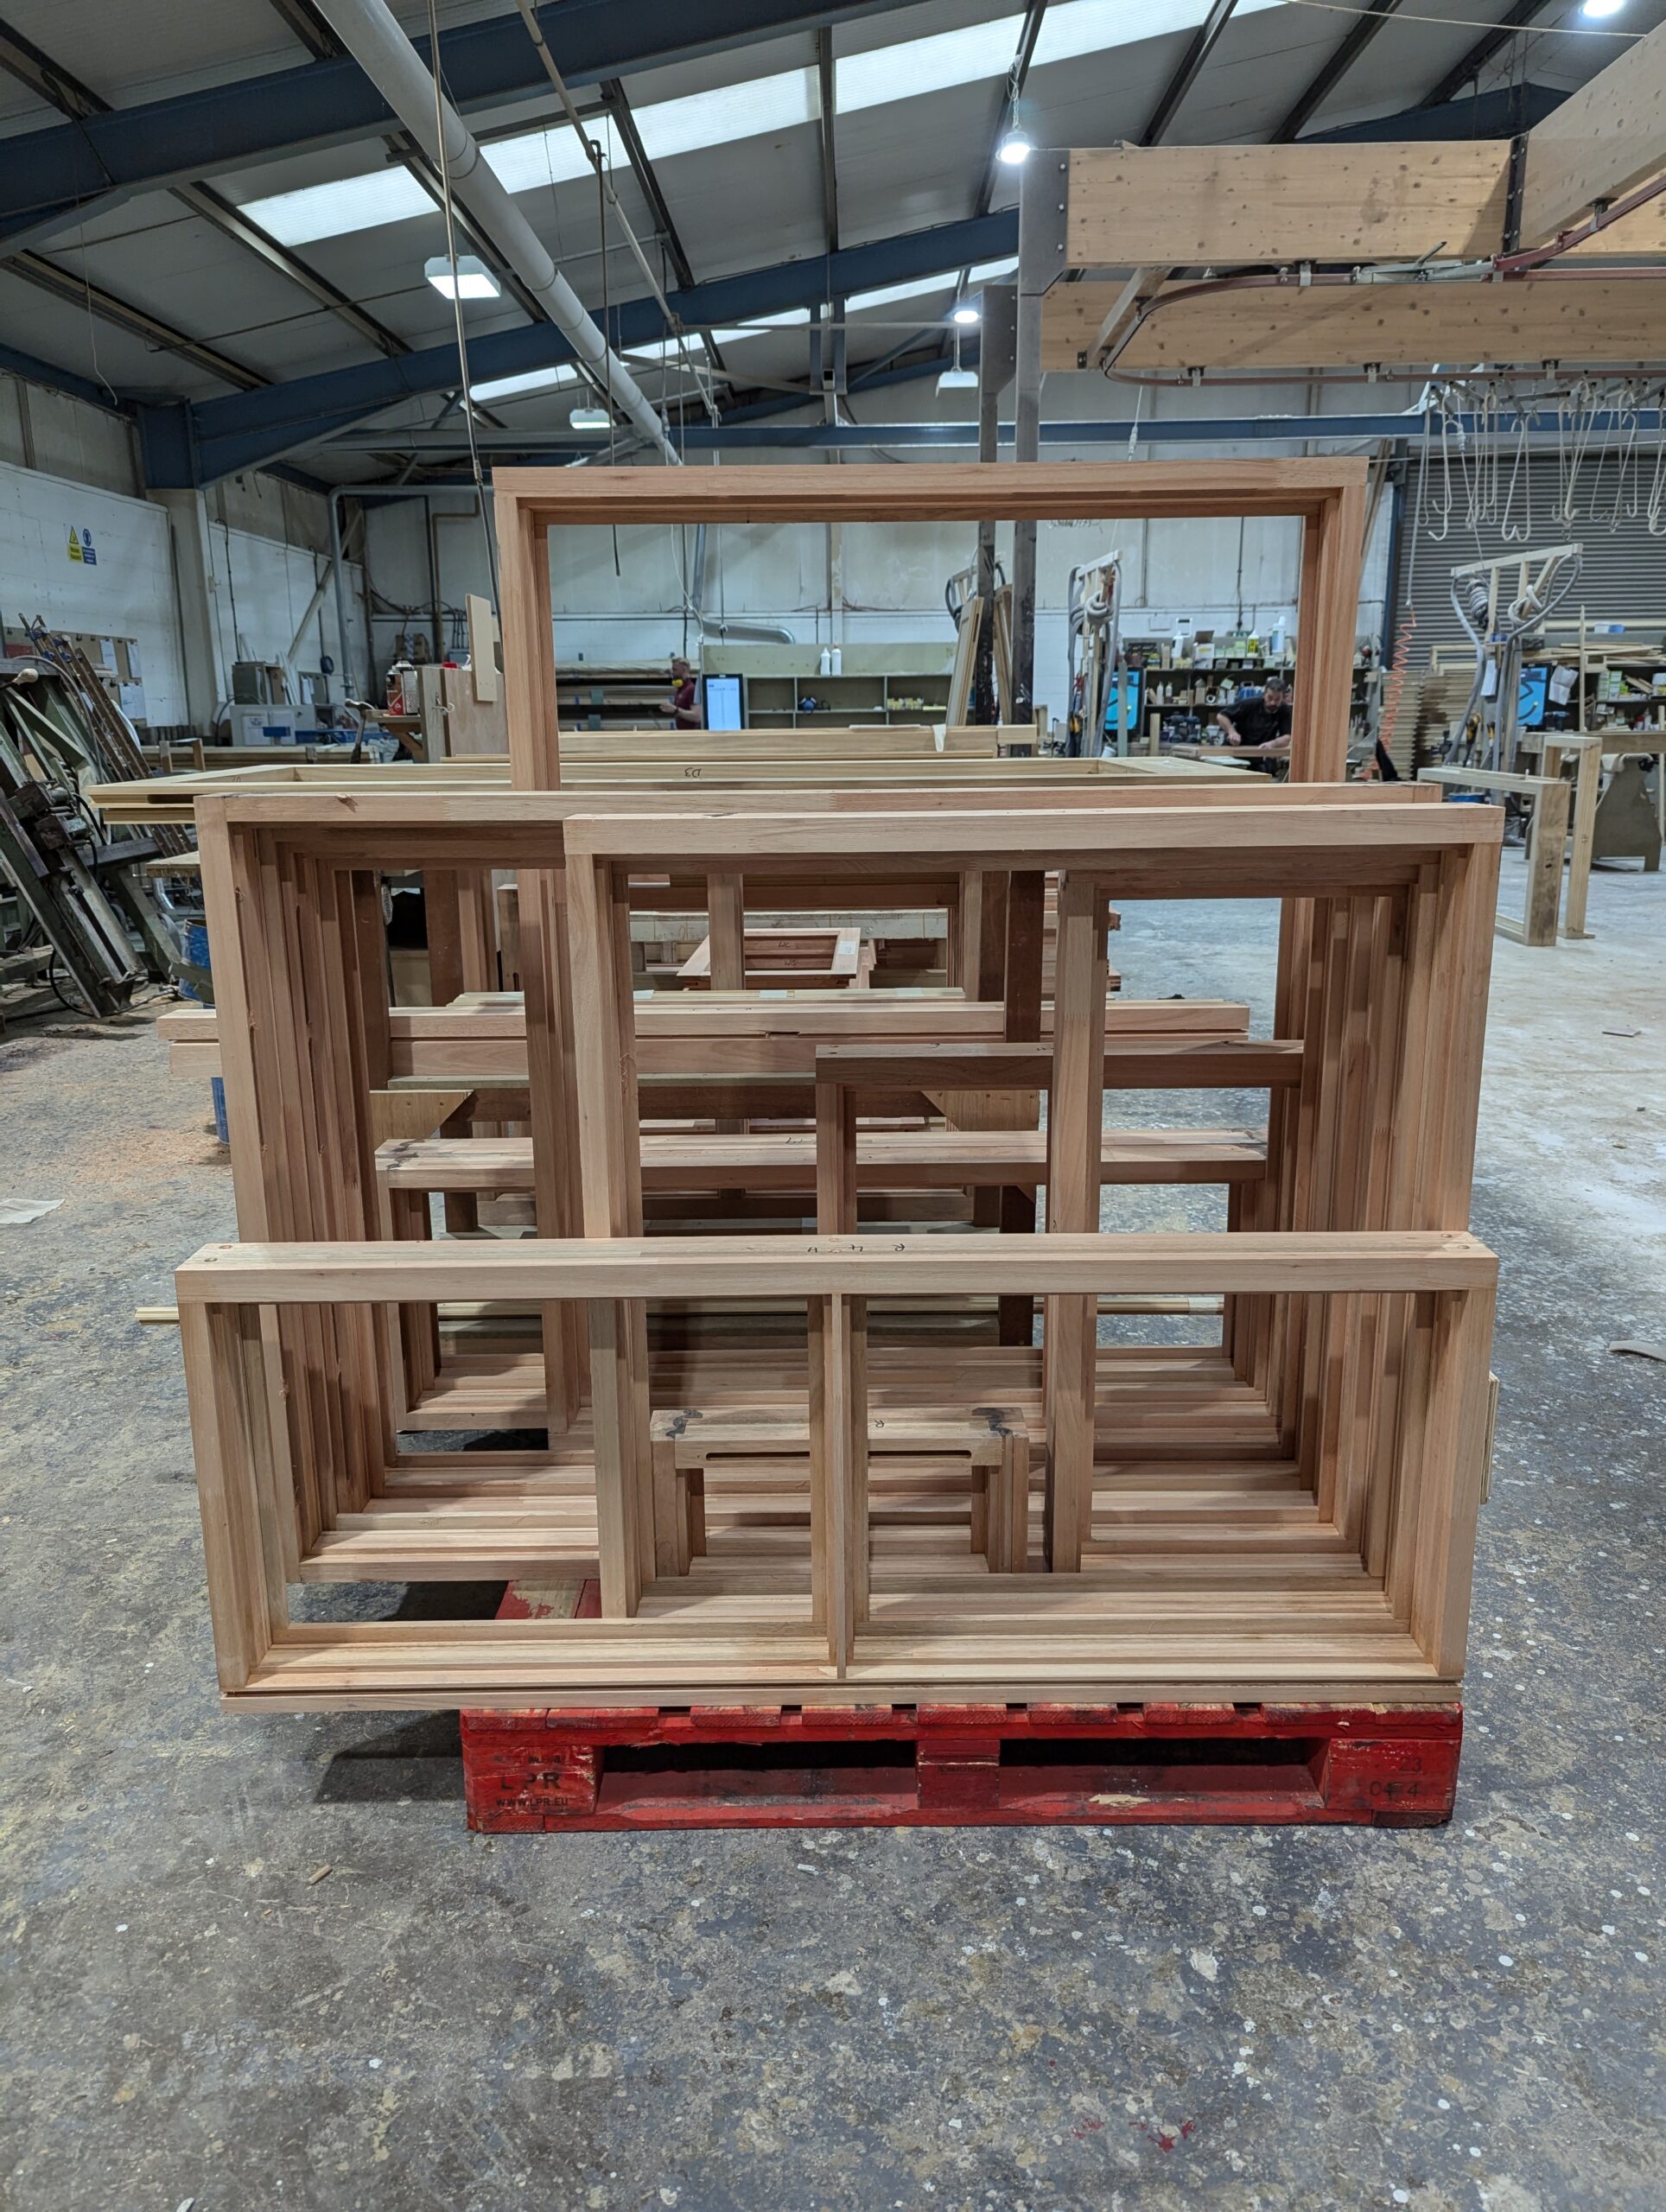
[(1199, 687), (617, 694), (877, 684)]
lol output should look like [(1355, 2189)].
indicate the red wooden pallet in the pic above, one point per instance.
[(958, 1765)]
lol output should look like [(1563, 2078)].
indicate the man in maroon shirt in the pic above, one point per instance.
[(685, 713)]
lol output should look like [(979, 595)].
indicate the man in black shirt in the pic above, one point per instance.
[(1260, 725)]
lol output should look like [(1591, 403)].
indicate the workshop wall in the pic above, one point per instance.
[(119, 583), (625, 594)]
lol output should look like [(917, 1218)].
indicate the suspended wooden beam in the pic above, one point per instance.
[(1620, 322), (1203, 205), (1602, 141)]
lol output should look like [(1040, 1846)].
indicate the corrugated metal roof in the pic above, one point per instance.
[(904, 164)]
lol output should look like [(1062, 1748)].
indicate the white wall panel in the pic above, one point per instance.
[(259, 589), (128, 591)]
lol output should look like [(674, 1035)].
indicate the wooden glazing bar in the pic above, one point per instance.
[(727, 920), (1193, 1261), (620, 1474), (1229, 846), (1075, 1121), (838, 1431)]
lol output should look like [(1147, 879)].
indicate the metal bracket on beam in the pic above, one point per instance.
[(1514, 184)]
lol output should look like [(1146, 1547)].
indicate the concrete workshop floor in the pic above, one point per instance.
[(195, 2010)]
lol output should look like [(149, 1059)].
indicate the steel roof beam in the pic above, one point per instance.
[(1482, 52), (20, 58), (1257, 429), (242, 431), (1320, 87), (137, 322), (32, 370), (1201, 45), (826, 145), (619, 107), (327, 102)]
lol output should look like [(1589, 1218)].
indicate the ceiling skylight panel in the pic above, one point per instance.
[(1082, 27), (666, 349), (543, 158), (759, 326), (886, 295), (529, 381), (330, 211), (985, 273), (753, 110), (926, 65)]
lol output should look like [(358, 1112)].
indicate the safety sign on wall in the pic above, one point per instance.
[(81, 548)]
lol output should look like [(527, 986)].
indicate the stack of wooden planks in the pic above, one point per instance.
[(858, 1440)]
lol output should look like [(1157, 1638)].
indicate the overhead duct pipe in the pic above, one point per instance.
[(695, 600), (369, 31)]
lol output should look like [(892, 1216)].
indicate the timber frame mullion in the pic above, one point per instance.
[(1075, 1116)]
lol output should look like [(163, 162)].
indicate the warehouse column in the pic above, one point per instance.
[(193, 586), (997, 356), (1041, 264)]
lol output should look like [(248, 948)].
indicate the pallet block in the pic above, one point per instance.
[(962, 1766), (602, 1771)]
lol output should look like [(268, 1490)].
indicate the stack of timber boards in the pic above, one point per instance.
[(812, 1504)]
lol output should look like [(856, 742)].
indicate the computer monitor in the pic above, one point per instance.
[(722, 702)]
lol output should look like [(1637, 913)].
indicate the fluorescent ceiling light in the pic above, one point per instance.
[(474, 280), (757, 108), (1597, 8), (1014, 149), (966, 313), (531, 380), (958, 380), (590, 418)]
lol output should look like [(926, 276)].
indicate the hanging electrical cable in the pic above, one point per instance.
[(448, 209), (611, 201)]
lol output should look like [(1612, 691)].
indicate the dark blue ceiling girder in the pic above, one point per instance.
[(1177, 430), (197, 442), (73, 166), (1166, 430), (15, 363), (184, 444), (1489, 115)]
